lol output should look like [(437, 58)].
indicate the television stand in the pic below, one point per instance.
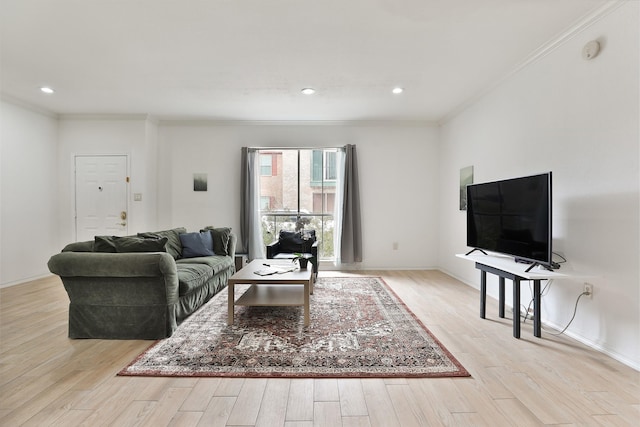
[(507, 268)]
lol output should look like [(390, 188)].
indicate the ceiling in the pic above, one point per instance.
[(249, 59)]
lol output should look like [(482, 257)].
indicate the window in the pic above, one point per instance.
[(301, 195), (323, 169), (330, 172), (266, 165)]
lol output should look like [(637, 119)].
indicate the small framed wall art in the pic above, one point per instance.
[(466, 178), (199, 182)]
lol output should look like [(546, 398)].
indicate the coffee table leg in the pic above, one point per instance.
[(230, 291), (307, 290)]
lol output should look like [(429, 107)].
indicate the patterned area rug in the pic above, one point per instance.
[(359, 328)]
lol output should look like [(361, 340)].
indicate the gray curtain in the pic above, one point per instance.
[(245, 203), (250, 227), (351, 241)]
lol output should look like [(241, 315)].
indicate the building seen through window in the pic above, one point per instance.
[(297, 191)]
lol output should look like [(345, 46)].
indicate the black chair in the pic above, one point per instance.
[(291, 244)]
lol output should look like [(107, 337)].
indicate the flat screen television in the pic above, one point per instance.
[(512, 217)]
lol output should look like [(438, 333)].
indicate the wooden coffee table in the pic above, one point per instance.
[(283, 289)]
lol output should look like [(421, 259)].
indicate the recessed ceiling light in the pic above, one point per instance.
[(308, 91), (397, 90), (46, 90)]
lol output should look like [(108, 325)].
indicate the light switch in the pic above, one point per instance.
[(137, 197)]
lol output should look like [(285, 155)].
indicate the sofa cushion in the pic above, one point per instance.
[(216, 263), (192, 276), (220, 236), (173, 247), (196, 244)]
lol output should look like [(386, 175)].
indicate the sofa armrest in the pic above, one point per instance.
[(86, 246), (119, 295), (95, 276), (273, 249), (101, 264)]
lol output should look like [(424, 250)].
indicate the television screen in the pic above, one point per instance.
[(512, 217)]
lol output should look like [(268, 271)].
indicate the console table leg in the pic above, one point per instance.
[(483, 293), (537, 321), (516, 307), (501, 296)]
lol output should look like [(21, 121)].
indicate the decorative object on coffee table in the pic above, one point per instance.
[(303, 260), (360, 328)]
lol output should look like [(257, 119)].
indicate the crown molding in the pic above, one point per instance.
[(27, 106), (585, 22), (139, 117), (213, 122)]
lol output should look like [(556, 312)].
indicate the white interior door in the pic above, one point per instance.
[(101, 196)]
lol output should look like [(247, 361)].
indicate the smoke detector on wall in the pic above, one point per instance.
[(590, 50)]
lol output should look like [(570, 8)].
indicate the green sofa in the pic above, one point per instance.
[(141, 287)]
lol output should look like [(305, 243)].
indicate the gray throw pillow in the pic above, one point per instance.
[(196, 244), (127, 244), (174, 246), (104, 244), (139, 244), (220, 236)]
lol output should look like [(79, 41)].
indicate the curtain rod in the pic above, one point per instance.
[(296, 148)]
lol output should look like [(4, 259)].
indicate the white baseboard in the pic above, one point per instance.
[(593, 345), (24, 280)]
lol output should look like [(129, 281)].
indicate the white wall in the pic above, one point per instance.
[(579, 119), (135, 137), (28, 198), (398, 179)]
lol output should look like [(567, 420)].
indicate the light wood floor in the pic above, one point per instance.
[(48, 379)]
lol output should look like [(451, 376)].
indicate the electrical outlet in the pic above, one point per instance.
[(588, 290)]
